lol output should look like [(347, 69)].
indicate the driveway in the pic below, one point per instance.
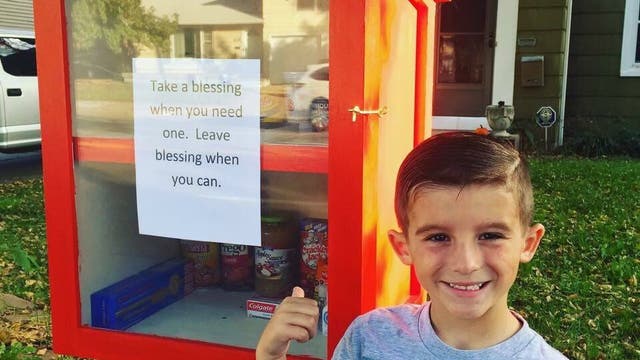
[(24, 165)]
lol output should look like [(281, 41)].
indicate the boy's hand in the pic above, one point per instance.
[(296, 318)]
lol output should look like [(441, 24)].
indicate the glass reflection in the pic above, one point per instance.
[(461, 59), (106, 34), (291, 40)]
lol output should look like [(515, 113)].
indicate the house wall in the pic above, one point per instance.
[(595, 88), (16, 14), (544, 20)]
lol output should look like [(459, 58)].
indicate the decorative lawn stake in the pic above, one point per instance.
[(545, 118)]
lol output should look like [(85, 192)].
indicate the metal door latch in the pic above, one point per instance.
[(356, 110)]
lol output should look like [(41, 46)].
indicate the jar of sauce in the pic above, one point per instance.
[(276, 260)]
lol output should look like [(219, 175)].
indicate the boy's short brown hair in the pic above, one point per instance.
[(461, 159)]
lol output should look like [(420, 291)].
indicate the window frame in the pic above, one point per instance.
[(628, 64)]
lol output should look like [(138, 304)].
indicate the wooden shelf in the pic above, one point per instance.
[(215, 315), (274, 157)]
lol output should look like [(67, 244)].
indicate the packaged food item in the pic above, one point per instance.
[(325, 320), (313, 248), (319, 113), (322, 282), (276, 259), (131, 300), (206, 261), (237, 266)]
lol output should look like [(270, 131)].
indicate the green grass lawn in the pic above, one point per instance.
[(580, 291), (103, 89)]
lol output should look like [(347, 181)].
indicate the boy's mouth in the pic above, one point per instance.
[(467, 286)]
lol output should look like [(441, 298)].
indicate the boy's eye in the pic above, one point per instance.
[(437, 237), (491, 236)]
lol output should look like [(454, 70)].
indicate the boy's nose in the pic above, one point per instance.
[(466, 258)]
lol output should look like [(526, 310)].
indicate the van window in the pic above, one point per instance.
[(18, 56), (321, 74)]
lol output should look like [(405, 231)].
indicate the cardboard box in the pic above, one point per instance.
[(129, 301), (260, 307)]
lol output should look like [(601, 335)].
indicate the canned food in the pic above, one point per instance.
[(206, 261), (313, 249), (319, 113)]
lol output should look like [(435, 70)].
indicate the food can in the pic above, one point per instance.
[(322, 283), (206, 261), (319, 113), (313, 249), (325, 320)]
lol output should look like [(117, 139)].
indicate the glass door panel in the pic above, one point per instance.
[(193, 297)]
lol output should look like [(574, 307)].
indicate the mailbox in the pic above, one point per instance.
[(532, 71)]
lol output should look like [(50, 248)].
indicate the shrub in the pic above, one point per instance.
[(593, 137)]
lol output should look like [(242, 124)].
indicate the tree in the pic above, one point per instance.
[(105, 30)]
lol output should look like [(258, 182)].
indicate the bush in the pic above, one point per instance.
[(594, 137)]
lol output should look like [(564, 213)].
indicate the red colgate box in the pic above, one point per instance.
[(260, 307)]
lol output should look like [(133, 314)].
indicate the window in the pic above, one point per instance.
[(18, 56), (318, 5), (630, 57)]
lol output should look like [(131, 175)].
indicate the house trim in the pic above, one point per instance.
[(628, 64), (459, 122), (565, 76), (504, 60)]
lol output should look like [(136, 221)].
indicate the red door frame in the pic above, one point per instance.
[(351, 293)]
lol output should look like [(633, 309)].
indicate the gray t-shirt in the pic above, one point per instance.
[(405, 332)]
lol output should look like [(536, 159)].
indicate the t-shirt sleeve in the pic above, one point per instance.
[(349, 347)]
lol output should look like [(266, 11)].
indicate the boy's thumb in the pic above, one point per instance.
[(297, 292)]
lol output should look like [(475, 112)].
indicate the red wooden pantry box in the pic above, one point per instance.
[(198, 156)]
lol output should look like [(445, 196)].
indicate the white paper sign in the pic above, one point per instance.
[(197, 148)]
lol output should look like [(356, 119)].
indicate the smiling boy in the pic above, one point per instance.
[(464, 204)]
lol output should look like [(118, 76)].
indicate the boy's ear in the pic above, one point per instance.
[(531, 242), (400, 245)]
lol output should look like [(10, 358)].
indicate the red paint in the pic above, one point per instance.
[(291, 158), (57, 168), (421, 71), (350, 249), (415, 289), (346, 89)]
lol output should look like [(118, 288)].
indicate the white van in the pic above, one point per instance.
[(19, 107)]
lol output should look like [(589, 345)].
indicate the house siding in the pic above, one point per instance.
[(16, 14), (594, 86), (546, 22)]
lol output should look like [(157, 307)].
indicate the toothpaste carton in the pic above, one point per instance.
[(260, 307)]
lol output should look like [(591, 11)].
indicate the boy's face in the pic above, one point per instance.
[(466, 247)]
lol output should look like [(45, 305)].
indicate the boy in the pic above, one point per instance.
[(464, 204)]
